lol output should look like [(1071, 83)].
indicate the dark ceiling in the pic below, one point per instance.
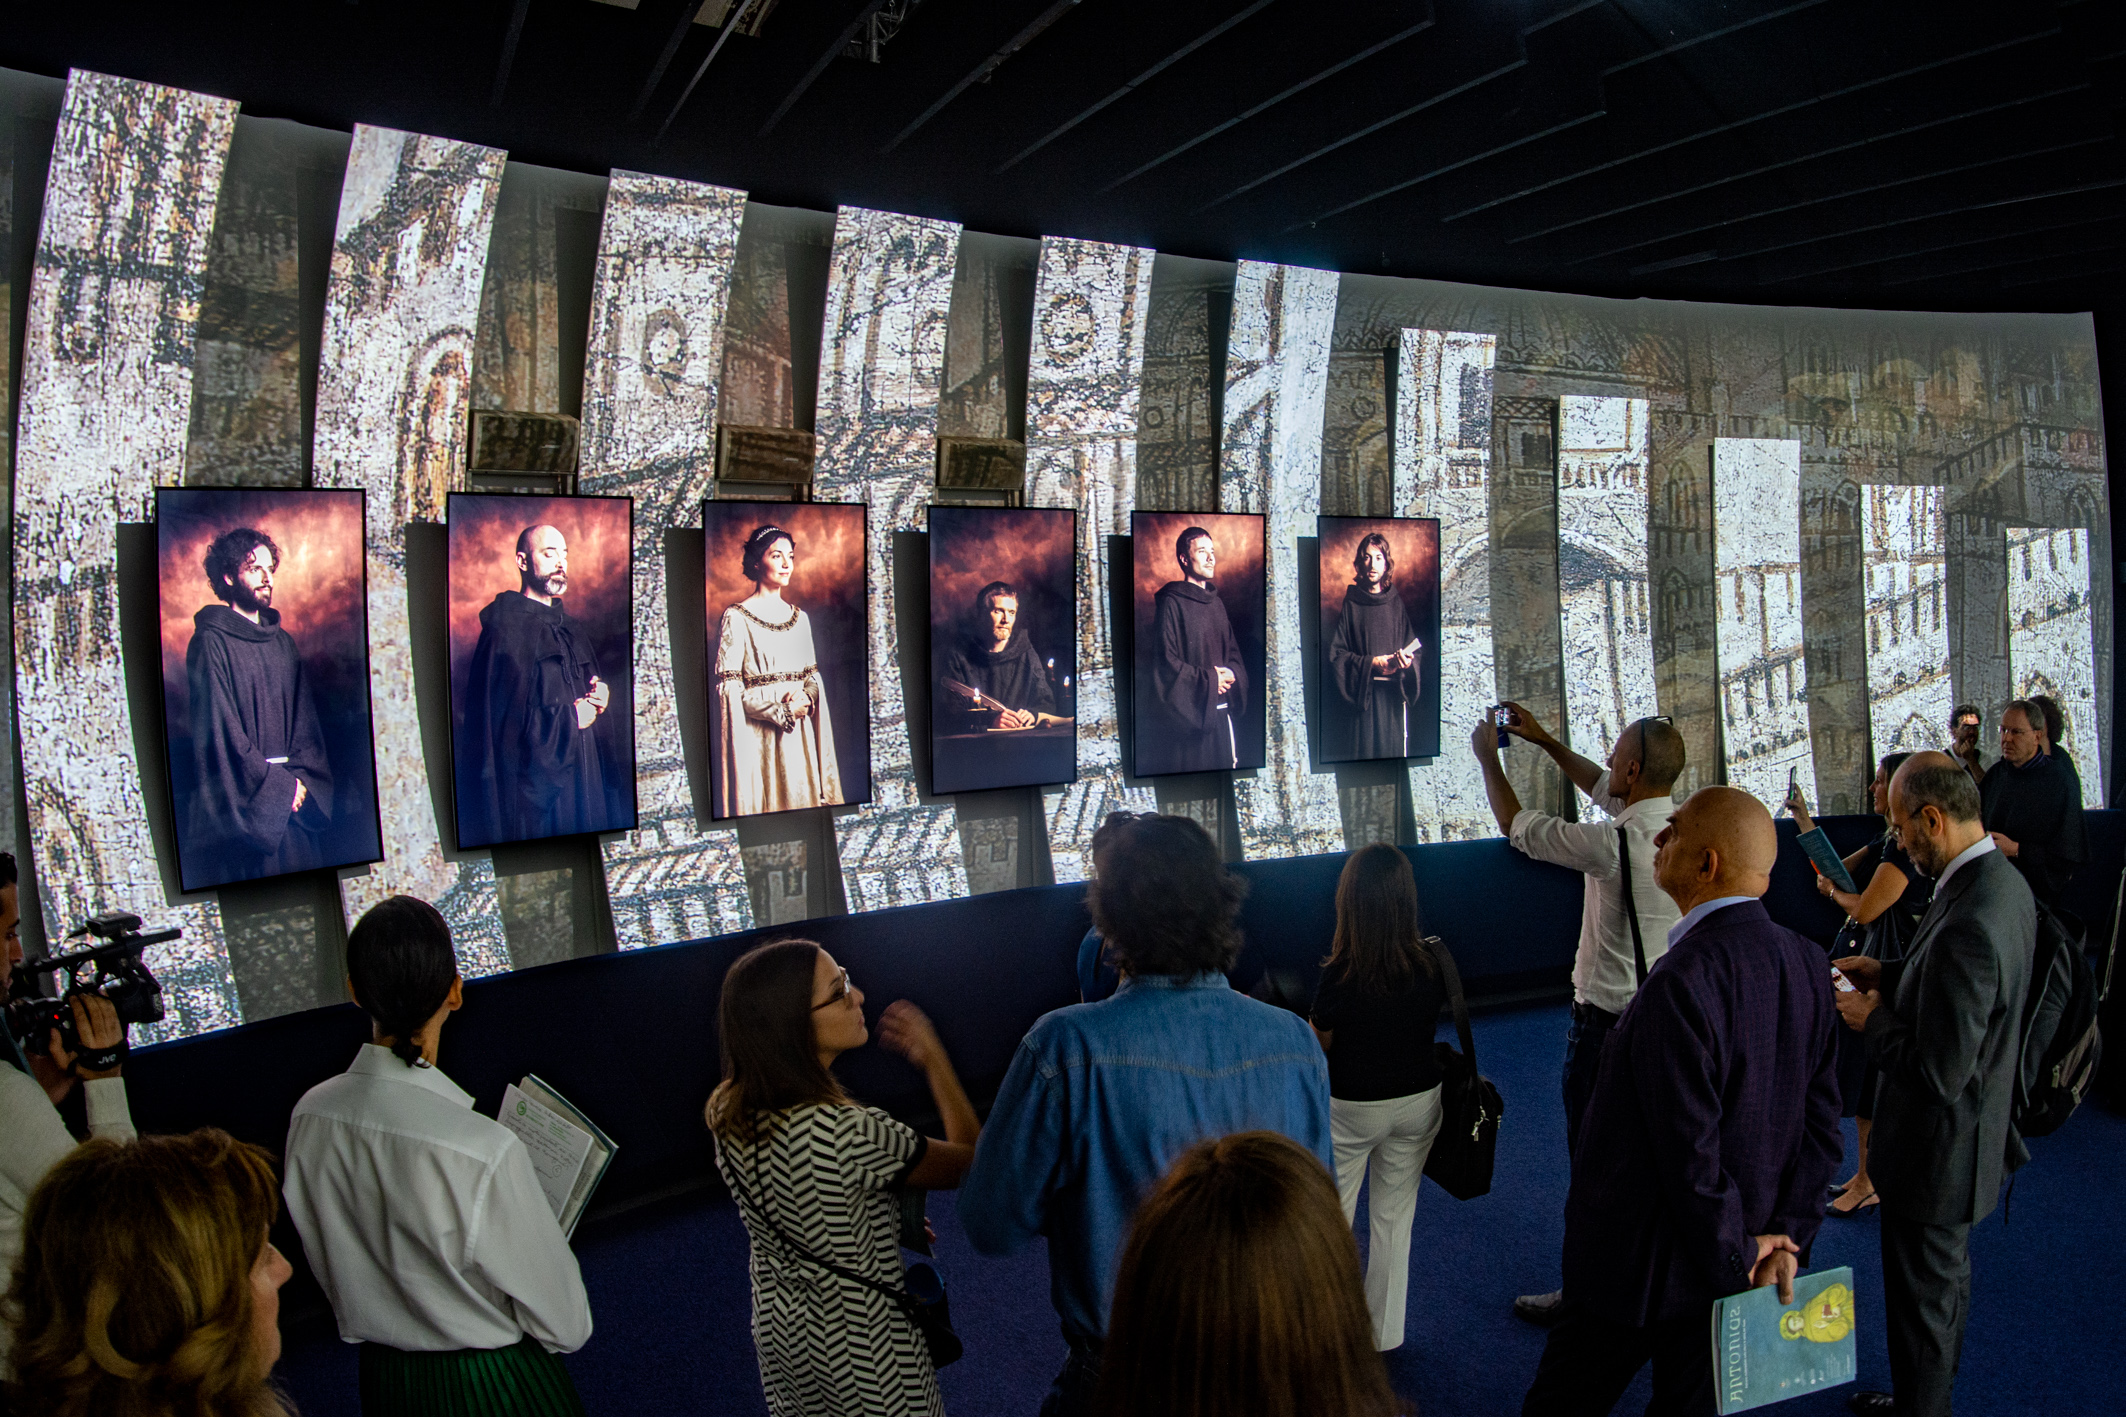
[(1843, 152)]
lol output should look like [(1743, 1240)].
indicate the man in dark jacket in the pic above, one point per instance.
[(262, 785), (528, 763), (1712, 1132), (2031, 803), (1944, 1030), (1199, 687)]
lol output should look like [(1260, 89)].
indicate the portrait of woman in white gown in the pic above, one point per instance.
[(775, 733)]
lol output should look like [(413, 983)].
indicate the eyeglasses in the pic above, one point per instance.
[(840, 993)]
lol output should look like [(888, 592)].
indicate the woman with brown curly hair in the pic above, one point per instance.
[(1238, 1294), (147, 1287)]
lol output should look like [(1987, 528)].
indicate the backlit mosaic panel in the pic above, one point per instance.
[(2050, 650), (1605, 612), (1276, 394), (393, 393), (105, 406), (881, 369), (1083, 386), (1903, 549), (650, 380), (1443, 469), (1764, 711)]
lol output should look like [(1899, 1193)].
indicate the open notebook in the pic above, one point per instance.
[(568, 1150)]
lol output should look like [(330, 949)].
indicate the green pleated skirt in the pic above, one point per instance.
[(520, 1381)]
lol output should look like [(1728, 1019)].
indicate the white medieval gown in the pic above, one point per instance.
[(766, 760)]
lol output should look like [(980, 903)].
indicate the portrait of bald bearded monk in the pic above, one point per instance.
[(1373, 657), (528, 763), (997, 659), (1199, 686), (262, 786)]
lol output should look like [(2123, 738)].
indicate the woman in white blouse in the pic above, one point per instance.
[(424, 1220)]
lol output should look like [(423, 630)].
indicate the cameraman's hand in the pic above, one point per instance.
[(56, 1078), (96, 1024)]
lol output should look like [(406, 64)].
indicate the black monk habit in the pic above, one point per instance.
[(1195, 727), (1014, 676), (1373, 623), (2038, 807), (255, 734), (525, 770)]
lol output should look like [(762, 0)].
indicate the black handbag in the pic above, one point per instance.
[(922, 1299), (1470, 1107)]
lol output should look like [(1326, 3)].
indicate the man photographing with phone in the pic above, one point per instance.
[(35, 1075), (1624, 916)]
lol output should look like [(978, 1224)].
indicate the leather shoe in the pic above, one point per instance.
[(1542, 1310), (1872, 1404)]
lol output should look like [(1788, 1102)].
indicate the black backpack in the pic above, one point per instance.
[(2062, 1045)]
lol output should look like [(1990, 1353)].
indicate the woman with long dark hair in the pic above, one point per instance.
[(1375, 1012), (1238, 1296), (820, 1179), (1886, 913)]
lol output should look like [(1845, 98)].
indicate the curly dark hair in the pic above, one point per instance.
[(756, 548), (229, 551), (1161, 898), (1358, 559)]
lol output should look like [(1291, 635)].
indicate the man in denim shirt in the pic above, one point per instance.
[(1102, 1097)]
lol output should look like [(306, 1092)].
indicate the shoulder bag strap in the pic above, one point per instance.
[(1631, 910), (1444, 958), (899, 1296)]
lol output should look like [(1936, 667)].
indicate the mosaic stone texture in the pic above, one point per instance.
[(1757, 589), (1443, 469), (1903, 540), (1276, 393), (1604, 603), (650, 384), (2049, 646), (106, 400), (1083, 388), (394, 389), (882, 366)]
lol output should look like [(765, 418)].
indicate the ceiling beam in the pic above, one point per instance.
[(1130, 86), (2108, 184), (509, 51), (681, 28), (1819, 154), (862, 17), (731, 22), (1423, 177), (1780, 112), (983, 70), (1271, 102)]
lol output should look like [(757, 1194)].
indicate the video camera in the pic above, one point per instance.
[(112, 967)]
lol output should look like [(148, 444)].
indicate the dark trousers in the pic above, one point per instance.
[(1590, 1361), (1926, 1292), (1583, 1055), (1071, 1395)]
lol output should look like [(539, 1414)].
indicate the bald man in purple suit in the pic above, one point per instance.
[(1712, 1132)]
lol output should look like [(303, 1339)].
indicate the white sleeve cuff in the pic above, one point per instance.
[(108, 1112)]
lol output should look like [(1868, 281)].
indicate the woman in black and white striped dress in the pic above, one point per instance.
[(819, 1177)]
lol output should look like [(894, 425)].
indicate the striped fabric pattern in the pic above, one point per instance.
[(830, 1347), (523, 1380)]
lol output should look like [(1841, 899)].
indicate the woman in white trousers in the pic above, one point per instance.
[(1375, 1012)]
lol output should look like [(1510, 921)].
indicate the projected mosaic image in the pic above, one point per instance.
[(1380, 640), (541, 667), (265, 682), (1605, 605), (2049, 645), (1199, 624), (788, 722), (1003, 626)]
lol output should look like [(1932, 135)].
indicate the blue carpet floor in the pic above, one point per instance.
[(2047, 1332)]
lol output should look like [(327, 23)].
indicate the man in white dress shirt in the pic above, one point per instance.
[(1635, 790), (32, 1138), (424, 1220)]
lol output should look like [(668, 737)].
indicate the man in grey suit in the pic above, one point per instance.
[(1944, 1029)]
